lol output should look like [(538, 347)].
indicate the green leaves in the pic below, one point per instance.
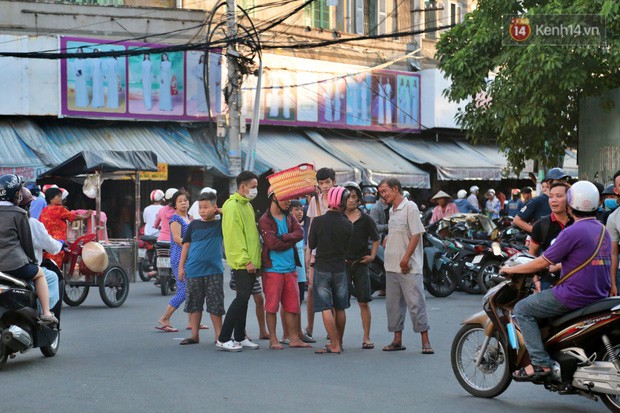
[(535, 90)]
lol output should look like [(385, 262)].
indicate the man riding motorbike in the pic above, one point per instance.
[(584, 250)]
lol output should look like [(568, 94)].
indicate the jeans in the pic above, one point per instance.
[(52, 284), (238, 310), (526, 312)]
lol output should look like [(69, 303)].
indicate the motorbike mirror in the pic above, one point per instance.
[(497, 249)]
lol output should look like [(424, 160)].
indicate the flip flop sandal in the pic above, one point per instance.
[(326, 350), (188, 341), (427, 350), (202, 327), (368, 346), (167, 329), (394, 347), (521, 375)]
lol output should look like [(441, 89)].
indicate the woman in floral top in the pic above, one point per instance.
[(55, 216)]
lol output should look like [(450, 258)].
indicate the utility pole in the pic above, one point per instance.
[(234, 138)]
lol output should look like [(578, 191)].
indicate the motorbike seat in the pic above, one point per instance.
[(15, 281), (149, 238), (596, 307), (162, 244)]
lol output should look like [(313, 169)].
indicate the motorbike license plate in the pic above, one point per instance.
[(141, 253), (163, 262), (477, 259)]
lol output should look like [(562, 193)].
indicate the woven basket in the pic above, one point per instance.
[(294, 182)]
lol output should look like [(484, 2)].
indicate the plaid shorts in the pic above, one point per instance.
[(256, 288), (209, 289)]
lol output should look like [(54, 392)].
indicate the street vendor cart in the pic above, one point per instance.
[(91, 261)]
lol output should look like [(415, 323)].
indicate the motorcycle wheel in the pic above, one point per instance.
[(164, 281), (493, 376), (75, 295), (143, 269), (468, 282), (377, 277), (4, 355), (489, 271), (611, 402), (52, 349), (441, 282), (114, 287)]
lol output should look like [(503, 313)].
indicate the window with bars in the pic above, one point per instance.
[(455, 13), (318, 14), (368, 17), (430, 18)]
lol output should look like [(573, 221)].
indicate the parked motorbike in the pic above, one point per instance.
[(585, 345), (491, 260), (439, 279), (20, 331), (166, 280), (147, 257)]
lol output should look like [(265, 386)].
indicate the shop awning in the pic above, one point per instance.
[(282, 149), (87, 162), (376, 160), (453, 160)]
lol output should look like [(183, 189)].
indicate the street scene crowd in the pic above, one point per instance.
[(317, 248)]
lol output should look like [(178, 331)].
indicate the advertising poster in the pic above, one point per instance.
[(156, 83), (280, 95), (408, 101), (358, 100), (96, 84), (332, 101), (195, 75), (383, 99)]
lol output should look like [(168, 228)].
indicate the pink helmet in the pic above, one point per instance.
[(157, 195), (337, 197)]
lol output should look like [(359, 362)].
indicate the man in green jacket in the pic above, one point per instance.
[(243, 253)]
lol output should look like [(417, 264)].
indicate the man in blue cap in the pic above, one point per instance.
[(38, 203), (539, 206)]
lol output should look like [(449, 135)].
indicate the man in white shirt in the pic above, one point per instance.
[(404, 260), (150, 213), (473, 197)]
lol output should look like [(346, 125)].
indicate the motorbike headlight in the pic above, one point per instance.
[(497, 249)]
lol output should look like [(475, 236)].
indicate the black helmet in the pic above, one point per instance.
[(369, 190), (555, 174), (10, 188), (609, 190), (350, 185)]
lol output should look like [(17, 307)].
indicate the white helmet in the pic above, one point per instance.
[(474, 189), (461, 194), (208, 190), (65, 193), (157, 195), (170, 193), (583, 196)]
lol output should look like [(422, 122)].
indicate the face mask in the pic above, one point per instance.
[(252, 192), (302, 201), (369, 206), (611, 204)]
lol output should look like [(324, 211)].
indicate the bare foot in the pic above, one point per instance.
[(264, 336), (297, 343), (275, 345)]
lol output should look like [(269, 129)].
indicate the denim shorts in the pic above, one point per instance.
[(330, 289), (359, 282)]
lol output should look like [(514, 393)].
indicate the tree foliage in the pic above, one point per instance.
[(533, 110)]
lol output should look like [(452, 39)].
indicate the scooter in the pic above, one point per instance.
[(439, 279), (147, 257), (165, 279), (20, 331), (584, 343)]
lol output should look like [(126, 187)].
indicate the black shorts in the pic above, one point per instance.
[(359, 282), (209, 290), (26, 272)]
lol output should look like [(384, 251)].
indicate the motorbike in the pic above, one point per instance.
[(376, 271), (20, 331), (147, 257), (165, 279), (490, 261), (439, 279), (584, 344)]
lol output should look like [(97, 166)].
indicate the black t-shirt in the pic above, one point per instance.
[(554, 229), (363, 230), (330, 235), (537, 208)]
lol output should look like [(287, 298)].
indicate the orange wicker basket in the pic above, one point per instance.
[(294, 182)]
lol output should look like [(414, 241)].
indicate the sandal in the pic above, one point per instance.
[(522, 375), (368, 346), (188, 341), (394, 347), (167, 329), (427, 350)]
